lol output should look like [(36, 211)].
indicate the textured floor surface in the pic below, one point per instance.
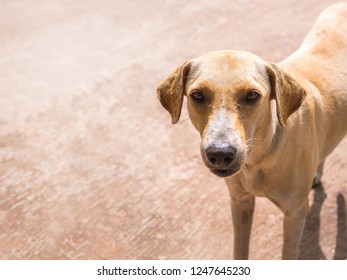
[(90, 166)]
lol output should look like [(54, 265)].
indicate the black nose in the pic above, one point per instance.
[(221, 154)]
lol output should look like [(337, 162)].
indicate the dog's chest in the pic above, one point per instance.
[(254, 181)]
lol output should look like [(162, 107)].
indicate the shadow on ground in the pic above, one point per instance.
[(310, 248)]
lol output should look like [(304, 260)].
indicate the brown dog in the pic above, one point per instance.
[(268, 128)]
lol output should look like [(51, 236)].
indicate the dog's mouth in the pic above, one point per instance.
[(224, 172)]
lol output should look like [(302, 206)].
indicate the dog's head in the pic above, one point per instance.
[(228, 96)]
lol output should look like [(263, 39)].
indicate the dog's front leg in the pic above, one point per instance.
[(294, 222), (242, 214)]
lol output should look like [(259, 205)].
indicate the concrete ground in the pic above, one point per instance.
[(90, 166)]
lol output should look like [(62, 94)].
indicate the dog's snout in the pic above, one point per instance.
[(221, 155)]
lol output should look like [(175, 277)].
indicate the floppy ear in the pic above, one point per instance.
[(287, 92), (170, 91)]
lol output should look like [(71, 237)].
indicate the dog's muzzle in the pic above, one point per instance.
[(220, 158)]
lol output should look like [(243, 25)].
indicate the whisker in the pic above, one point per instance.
[(252, 139)]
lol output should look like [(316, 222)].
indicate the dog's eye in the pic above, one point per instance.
[(252, 96), (197, 96)]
